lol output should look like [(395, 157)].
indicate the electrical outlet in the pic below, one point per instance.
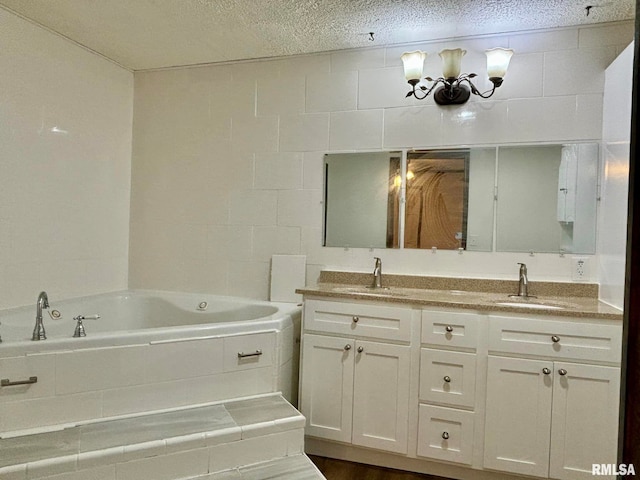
[(579, 268)]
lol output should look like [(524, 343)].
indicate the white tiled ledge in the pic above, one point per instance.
[(165, 446)]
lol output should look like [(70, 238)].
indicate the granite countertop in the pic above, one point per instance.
[(552, 299)]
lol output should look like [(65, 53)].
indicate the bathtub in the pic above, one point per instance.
[(147, 351)]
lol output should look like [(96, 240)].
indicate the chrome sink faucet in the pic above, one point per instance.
[(38, 331), (523, 282), (377, 274)]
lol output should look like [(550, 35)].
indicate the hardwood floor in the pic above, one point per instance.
[(342, 470)]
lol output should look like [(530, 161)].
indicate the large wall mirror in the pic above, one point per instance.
[(526, 198)]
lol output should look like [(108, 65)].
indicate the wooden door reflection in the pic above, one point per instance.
[(436, 200)]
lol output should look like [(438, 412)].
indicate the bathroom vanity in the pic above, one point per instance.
[(460, 383)]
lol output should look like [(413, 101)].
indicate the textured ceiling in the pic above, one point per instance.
[(145, 34)]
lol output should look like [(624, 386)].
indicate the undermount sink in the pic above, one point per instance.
[(387, 291), (535, 304)]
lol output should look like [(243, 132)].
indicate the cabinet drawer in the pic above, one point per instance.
[(355, 319), (450, 329), (448, 377), (242, 352), (445, 434), (556, 338)]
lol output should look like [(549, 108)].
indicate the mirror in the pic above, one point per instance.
[(362, 196), (547, 198), (539, 198)]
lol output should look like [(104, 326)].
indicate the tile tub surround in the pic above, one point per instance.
[(577, 300), (217, 436)]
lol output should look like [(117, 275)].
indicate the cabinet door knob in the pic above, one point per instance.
[(546, 371), (449, 328), (447, 378), (555, 339), (445, 435), (360, 349), (562, 372), (347, 346), (355, 319)]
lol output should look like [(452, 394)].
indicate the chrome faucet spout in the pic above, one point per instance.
[(377, 274), (523, 282), (38, 330)]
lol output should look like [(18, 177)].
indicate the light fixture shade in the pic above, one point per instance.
[(413, 64), (451, 61), (498, 61)]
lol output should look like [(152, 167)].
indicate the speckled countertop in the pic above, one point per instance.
[(552, 298)]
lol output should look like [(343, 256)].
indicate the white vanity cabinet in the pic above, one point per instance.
[(448, 360), (460, 393), (355, 385), (552, 396)]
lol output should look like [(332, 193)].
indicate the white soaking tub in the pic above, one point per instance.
[(148, 351)]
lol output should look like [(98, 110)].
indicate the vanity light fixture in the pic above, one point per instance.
[(453, 90)]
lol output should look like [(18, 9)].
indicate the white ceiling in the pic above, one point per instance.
[(147, 34)]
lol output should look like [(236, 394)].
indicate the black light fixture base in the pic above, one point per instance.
[(452, 95)]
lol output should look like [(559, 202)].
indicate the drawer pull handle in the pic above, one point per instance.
[(445, 435), (355, 319), (257, 353), (562, 372), (449, 328), (555, 339), (546, 371), (347, 346), (5, 382), (360, 349), (447, 378)]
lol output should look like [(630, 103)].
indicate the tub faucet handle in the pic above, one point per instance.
[(79, 331)]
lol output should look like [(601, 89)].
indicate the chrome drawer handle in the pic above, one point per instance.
[(5, 382), (555, 339), (445, 435), (360, 349), (347, 346), (562, 372), (449, 328), (355, 319), (447, 378), (546, 371), (257, 353)]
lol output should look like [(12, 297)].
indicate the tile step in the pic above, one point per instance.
[(296, 467)]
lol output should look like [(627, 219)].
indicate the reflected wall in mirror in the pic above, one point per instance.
[(362, 198), (546, 199)]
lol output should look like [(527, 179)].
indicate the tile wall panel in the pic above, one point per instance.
[(266, 177), (65, 145)]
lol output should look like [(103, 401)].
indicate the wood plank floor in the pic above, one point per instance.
[(342, 470)]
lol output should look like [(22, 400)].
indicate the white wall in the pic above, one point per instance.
[(616, 135), (227, 162), (65, 156)]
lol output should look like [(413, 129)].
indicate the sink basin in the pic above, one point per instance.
[(535, 306), (386, 291)]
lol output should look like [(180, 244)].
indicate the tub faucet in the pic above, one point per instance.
[(377, 274), (38, 331)]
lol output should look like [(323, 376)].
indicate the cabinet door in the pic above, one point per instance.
[(584, 420), (327, 386), (518, 415), (381, 396)]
